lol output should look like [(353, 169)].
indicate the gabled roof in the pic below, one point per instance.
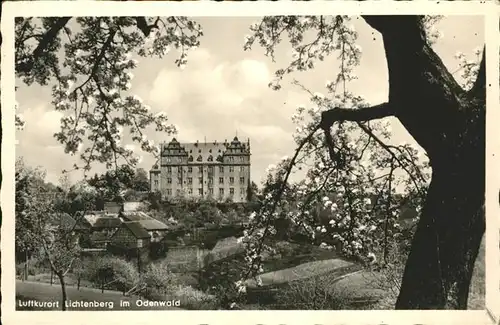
[(136, 229), (65, 221), (147, 222), (100, 219), (107, 222), (203, 152)]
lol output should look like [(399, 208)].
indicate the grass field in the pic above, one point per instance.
[(302, 271)]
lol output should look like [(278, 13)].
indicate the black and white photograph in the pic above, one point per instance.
[(273, 162)]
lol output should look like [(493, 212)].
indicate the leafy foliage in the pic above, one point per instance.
[(113, 273), (353, 193), (91, 82)]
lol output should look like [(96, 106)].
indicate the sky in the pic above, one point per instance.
[(223, 92)]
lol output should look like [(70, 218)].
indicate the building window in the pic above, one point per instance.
[(190, 180), (200, 191), (169, 180), (190, 169), (169, 169), (210, 180), (169, 191), (231, 159), (179, 181), (210, 158), (211, 191), (231, 180), (221, 180), (190, 191), (178, 192), (231, 169), (167, 159), (200, 170), (231, 191), (242, 168), (200, 180), (242, 180), (199, 158), (221, 169), (210, 169), (242, 159), (242, 191), (156, 182), (221, 191)]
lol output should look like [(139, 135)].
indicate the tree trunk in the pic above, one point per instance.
[(449, 123), (63, 290), (26, 267)]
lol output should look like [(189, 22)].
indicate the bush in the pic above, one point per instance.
[(317, 293), (223, 272), (159, 280), (219, 277), (193, 299), (113, 273)]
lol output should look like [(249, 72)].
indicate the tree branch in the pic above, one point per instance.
[(143, 26), (47, 39), (479, 88), (355, 115)]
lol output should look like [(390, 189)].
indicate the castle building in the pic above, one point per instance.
[(218, 170)]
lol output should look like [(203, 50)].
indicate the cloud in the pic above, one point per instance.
[(212, 97), (41, 124), (224, 90)]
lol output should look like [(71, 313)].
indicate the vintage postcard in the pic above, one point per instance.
[(257, 163)]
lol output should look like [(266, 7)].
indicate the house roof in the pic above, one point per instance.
[(205, 152), (136, 229), (147, 222), (101, 219), (66, 221), (107, 222)]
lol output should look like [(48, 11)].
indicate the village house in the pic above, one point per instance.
[(155, 228), (101, 228), (132, 241), (131, 235)]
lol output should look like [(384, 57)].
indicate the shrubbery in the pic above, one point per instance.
[(194, 299), (159, 280), (317, 293), (113, 273)]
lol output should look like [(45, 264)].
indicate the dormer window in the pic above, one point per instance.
[(219, 158), (190, 158), (199, 158), (210, 158)]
